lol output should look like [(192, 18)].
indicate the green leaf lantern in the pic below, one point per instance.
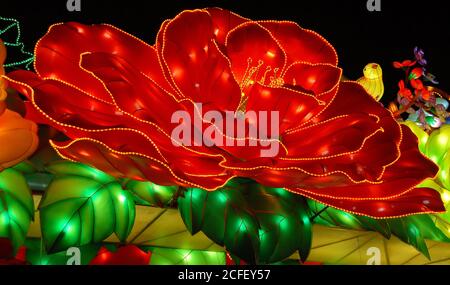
[(258, 224), (83, 205), (436, 146), (16, 206)]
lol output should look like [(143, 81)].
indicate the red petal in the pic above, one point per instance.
[(251, 45), (223, 22), (417, 84), (408, 63), (400, 173), (418, 201), (300, 44), (401, 177), (294, 107), (197, 67), (56, 101), (352, 99), (136, 166), (94, 119), (123, 82), (337, 136), (58, 54), (317, 79), (417, 72), (397, 64)]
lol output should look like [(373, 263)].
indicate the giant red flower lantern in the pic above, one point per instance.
[(113, 96)]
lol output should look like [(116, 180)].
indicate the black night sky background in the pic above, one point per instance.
[(358, 35)]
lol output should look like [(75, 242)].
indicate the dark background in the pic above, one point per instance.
[(358, 35)]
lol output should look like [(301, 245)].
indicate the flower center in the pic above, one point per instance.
[(253, 73)]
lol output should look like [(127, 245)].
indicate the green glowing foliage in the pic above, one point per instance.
[(413, 230), (172, 256), (442, 221), (16, 206), (36, 255), (436, 147), (83, 205), (151, 194), (328, 216), (258, 224)]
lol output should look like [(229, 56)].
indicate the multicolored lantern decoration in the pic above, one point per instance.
[(343, 160), (234, 63)]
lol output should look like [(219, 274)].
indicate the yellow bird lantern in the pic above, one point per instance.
[(372, 80)]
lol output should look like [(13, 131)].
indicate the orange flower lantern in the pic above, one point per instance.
[(18, 138)]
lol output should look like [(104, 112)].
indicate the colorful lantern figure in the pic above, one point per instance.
[(18, 137), (372, 80), (114, 96)]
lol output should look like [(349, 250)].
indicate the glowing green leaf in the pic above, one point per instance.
[(415, 229), (16, 206), (172, 256), (333, 217), (83, 205), (36, 255), (151, 194), (421, 135), (255, 223)]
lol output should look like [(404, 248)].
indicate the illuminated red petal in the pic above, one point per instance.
[(95, 122), (294, 107), (401, 177), (397, 64), (377, 149), (337, 136), (418, 201), (417, 84), (301, 45), (94, 153), (251, 45), (223, 22), (353, 99), (53, 100), (416, 73), (321, 80), (58, 54), (123, 81), (197, 67), (251, 143), (134, 166), (315, 78)]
